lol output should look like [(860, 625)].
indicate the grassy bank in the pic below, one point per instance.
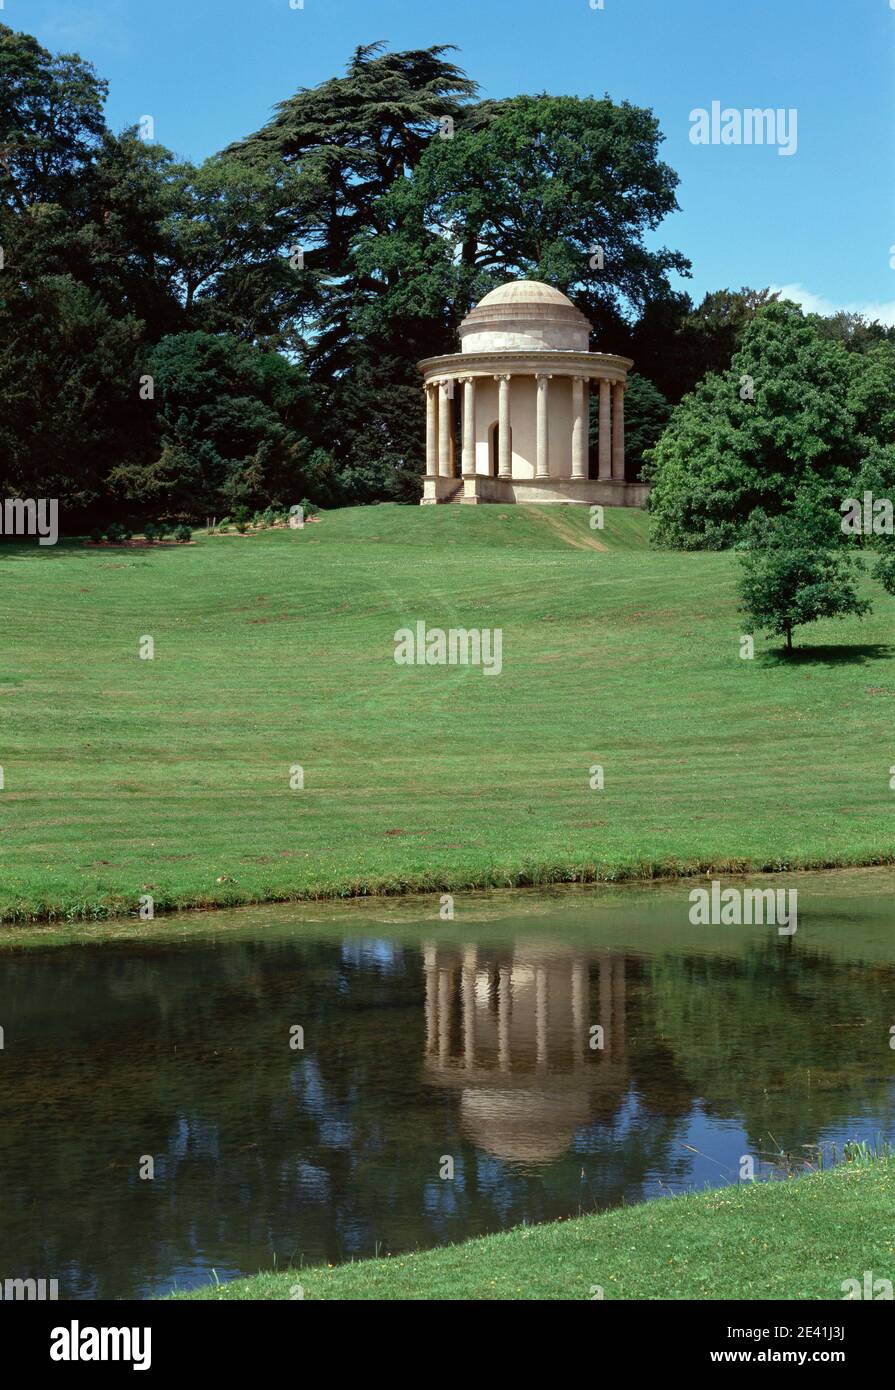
[(795, 1239), (171, 776)]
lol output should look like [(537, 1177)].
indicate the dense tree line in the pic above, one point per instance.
[(766, 455), (180, 340), (803, 407)]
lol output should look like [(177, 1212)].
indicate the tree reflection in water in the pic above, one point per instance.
[(476, 1046)]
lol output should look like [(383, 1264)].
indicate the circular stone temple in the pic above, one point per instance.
[(513, 407)]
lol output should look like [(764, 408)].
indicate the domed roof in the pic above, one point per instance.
[(524, 316), (523, 1126), (525, 292)]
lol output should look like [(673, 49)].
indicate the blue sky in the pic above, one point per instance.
[(820, 222)]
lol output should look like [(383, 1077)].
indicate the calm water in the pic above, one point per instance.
[(422, 1039)]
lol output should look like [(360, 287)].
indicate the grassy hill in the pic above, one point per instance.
[(171, 776)]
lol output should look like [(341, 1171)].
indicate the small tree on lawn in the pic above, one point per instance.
[(794, 573)]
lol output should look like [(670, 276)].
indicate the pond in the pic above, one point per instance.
[(302, 1081)]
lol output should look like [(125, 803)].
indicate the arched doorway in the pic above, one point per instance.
[(494, 448)]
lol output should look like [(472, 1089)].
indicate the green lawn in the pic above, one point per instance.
[(171, 776), (795, 1239)]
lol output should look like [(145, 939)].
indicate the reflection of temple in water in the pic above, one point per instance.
[(511, 1031)]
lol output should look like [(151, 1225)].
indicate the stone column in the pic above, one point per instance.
[(445, 425), (467, 996), (505, 457), (504, 1010), (443, 1007), (604, 469), (431, 430), (579, 1014), (541, 1033), (430, 969), (468, 426), (579, 427), (542, 469), (618, 432)]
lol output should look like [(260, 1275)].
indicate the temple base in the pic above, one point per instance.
[(606, 492), (438, 489)]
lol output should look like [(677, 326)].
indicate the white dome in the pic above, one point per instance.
[(525, 316), (525, 292)]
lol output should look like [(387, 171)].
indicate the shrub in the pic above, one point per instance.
[(151, 532), (97, 535), (116, 533), (791, 577), (183, 533)]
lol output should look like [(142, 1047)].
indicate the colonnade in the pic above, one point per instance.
[(440, 392)]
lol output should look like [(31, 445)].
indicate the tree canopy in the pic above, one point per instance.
[(794, 407), (280, 294)]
